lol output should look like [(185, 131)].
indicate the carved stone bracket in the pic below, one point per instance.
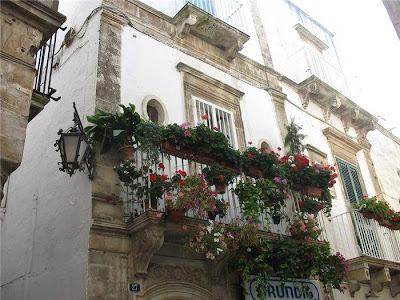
[(354, 286), (183, 28), (359, 272), (232, 51), (379, 279), (330, 106), (395, 285), (147, 237), (307, 93), (216, 266)]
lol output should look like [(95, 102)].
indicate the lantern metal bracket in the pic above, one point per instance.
[(87, 163)]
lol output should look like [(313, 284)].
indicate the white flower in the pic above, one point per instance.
[(219, 250), (292, 165), (248, 249), (222, 229), (212, 257), (290, 161), (209, 228), (216, 240), (291, 157)]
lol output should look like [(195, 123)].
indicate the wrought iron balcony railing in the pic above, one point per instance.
[(355, 235), (44, 60), (135, 206)]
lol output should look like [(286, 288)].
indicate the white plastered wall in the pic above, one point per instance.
[(149, 68), (47, 217)]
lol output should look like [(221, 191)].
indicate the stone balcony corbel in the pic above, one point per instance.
[(395, 285), (147, 233), (197, 22), (359, 272), (379, 278)]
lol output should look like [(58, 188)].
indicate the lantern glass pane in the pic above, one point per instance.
[(82, 151), (71, 141)]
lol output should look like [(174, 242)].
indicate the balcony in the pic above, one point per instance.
[(135, 206), (373, 251), (42, 90)]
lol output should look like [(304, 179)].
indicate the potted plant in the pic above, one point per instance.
[(149, 140), (256, 197), (258, 164), (372, 208), (194, 194), (127, 172), (115, 128), (177, 140), (310, 205), (219, 176), (304, 226)]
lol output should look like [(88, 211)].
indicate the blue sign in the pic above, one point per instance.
[(290, 290)]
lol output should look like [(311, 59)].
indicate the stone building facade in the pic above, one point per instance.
[(25, 27), (262, 63)]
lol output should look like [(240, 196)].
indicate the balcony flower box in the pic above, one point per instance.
[(176, 150), (127, 152)]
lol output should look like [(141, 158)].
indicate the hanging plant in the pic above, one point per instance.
[(217, 175), (293, 138)]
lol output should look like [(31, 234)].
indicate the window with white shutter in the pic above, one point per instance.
[(217, 117), (351, 181)]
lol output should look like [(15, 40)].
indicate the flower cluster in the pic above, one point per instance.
[(335, 271), (310, 205), (305, 226), (210, 240), (127, 171), (381, 211)]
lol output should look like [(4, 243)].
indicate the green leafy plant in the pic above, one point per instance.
[(305, 225), (310, 205), (293, 138), (180, 135), (113, 128), (127, 172), (149, 135), (255, 197), (216, 173)]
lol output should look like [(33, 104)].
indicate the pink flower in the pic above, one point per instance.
[(216, 222), (229, 234), (184, 227), (224, 245), (191, 245), (250, 143), (284, 181), (169, 197), (303, 227), (189, 205), (185, 125), (187, 133), (180, 194), (197, 204), (223, 225), (201, 247), (276, 179), (159, 215), (201, 233), (222, 237), (315, 228)]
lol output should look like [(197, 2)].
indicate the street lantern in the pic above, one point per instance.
[(75, 148)]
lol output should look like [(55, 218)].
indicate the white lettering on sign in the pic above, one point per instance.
[(290, 290)]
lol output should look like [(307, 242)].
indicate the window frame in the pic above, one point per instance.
[(359, 177), (233, 138)]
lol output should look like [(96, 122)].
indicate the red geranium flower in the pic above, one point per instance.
[(279, 148), (301, 203), (153, 177), (183, 173), (181, 182), (221, 177), (109, 198), (205, 117), (365, 196), (320, 207), (215, 128), (161, 165), (163, 177), (250, 155)]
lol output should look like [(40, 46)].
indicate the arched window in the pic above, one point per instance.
[(264, 145), (154, 110)]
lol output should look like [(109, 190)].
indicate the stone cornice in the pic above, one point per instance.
[(316, 150), (276, 95), (188, 69), (305, 34), (336, 137), (13, 59), (38, 15)]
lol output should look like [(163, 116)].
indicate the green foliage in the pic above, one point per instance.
[(215, 173), (180, 135), (127, 172), (149, 135), (264, 161), (110, 128), (294, 138), (305, 225)]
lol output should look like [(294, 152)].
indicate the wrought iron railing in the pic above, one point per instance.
[(44, 60), (354, 235), (135, 205)]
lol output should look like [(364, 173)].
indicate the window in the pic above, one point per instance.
[(217, 117), (154, 110), (207, 5), (351, 181)]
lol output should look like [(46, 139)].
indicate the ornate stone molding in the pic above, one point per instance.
[(354, 286), (306, 35), (192, 19), (178, 273), (216, 266), (147, 237), (308, 92), (341, 140)]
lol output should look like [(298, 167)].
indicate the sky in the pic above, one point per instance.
[(369, 51)]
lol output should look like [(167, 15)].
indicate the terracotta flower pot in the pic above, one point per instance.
[(312, 191), (204, 158), (175, 150), (147, 207), (176, 215), (394, 226), (127, 153), (384, 223), (368, 215), (253, 171), (220, 188)]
